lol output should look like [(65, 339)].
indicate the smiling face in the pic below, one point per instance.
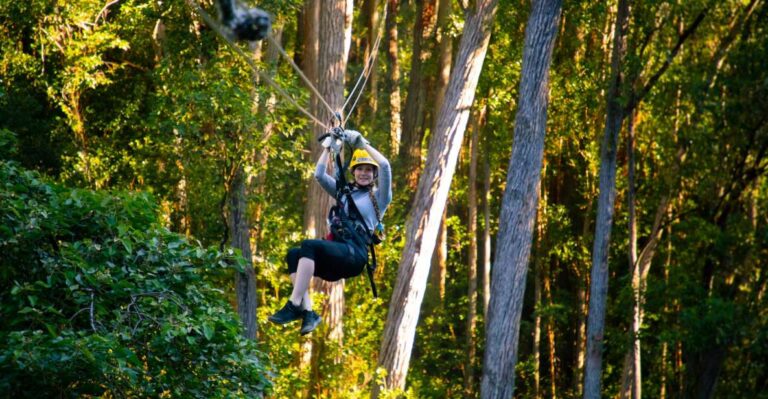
[(364, 174)]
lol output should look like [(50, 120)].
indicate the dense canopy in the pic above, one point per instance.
[(589, 178)]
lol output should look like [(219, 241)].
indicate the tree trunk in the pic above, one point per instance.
[(395, 127), (333, 49), (519, 203), (636, 372), (413, 118), (537, 287), (440, 260), (431, 197), (445, 45), (537, 330), (310, 18), (435, 294), (471, 351), (372, 23), (581, 330), (551, 336), (245, 282), (640, 267), (630, 385), (318, 201), (605, 202), (665, 346), (614, 116), (486, 229), (257, 182)]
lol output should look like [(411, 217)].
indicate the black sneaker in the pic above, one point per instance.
[(287, 314), (310, 322)]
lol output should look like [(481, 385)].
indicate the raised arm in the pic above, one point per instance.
[(327, 182), (384, 194)]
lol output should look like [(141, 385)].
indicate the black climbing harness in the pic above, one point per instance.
[(349, 226)]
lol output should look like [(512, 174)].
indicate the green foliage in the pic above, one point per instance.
[(146, 98), (9, 144), (100, 300)]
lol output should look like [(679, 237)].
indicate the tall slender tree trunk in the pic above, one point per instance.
[(551, 344), (310, 21), (318, 201), (413, 117), (637, 277), (435, 294), (606, 199), (631, 374), (245, 281), (664, 345), (519, 204), (431, 197), (665, 352), (581, 270), (581, 330), (257, 181), (486, 228), (395, 125), (536, 355), (471, 348), (440, 260), (538, 271), (372, 23), (614, 117), (445, 55), (240, 233), (333, 50)]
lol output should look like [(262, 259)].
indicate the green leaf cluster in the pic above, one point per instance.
[(99, 300)]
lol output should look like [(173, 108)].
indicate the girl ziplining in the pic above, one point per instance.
[(355, 220), (354, 223)]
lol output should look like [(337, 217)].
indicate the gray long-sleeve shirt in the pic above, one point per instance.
[(382, 192)]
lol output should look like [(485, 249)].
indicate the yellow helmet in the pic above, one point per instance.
[(362, 157)]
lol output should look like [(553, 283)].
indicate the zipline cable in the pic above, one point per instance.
[(213, 24), (299, 71), (358, 87), (367, 69)]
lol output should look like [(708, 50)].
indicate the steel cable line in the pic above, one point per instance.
[(211, 22)]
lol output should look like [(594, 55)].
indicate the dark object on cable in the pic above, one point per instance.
[(251, 24)]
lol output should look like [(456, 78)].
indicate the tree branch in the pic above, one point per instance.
[(676, 49), (651, 32), (103, 13), (93, 322), (722, 49)]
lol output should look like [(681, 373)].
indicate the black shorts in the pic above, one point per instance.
[(333, 260)]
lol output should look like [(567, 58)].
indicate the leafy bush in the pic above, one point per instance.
[(98, 299), (8, 144)]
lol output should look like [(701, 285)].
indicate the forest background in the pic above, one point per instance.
[(158, 149)]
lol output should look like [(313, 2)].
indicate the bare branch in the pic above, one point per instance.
[(93, 322), (672, 54), (652, 31), (722, 49), (77, 313), (103, 13)]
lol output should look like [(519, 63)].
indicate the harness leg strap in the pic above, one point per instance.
[(370, 268)]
